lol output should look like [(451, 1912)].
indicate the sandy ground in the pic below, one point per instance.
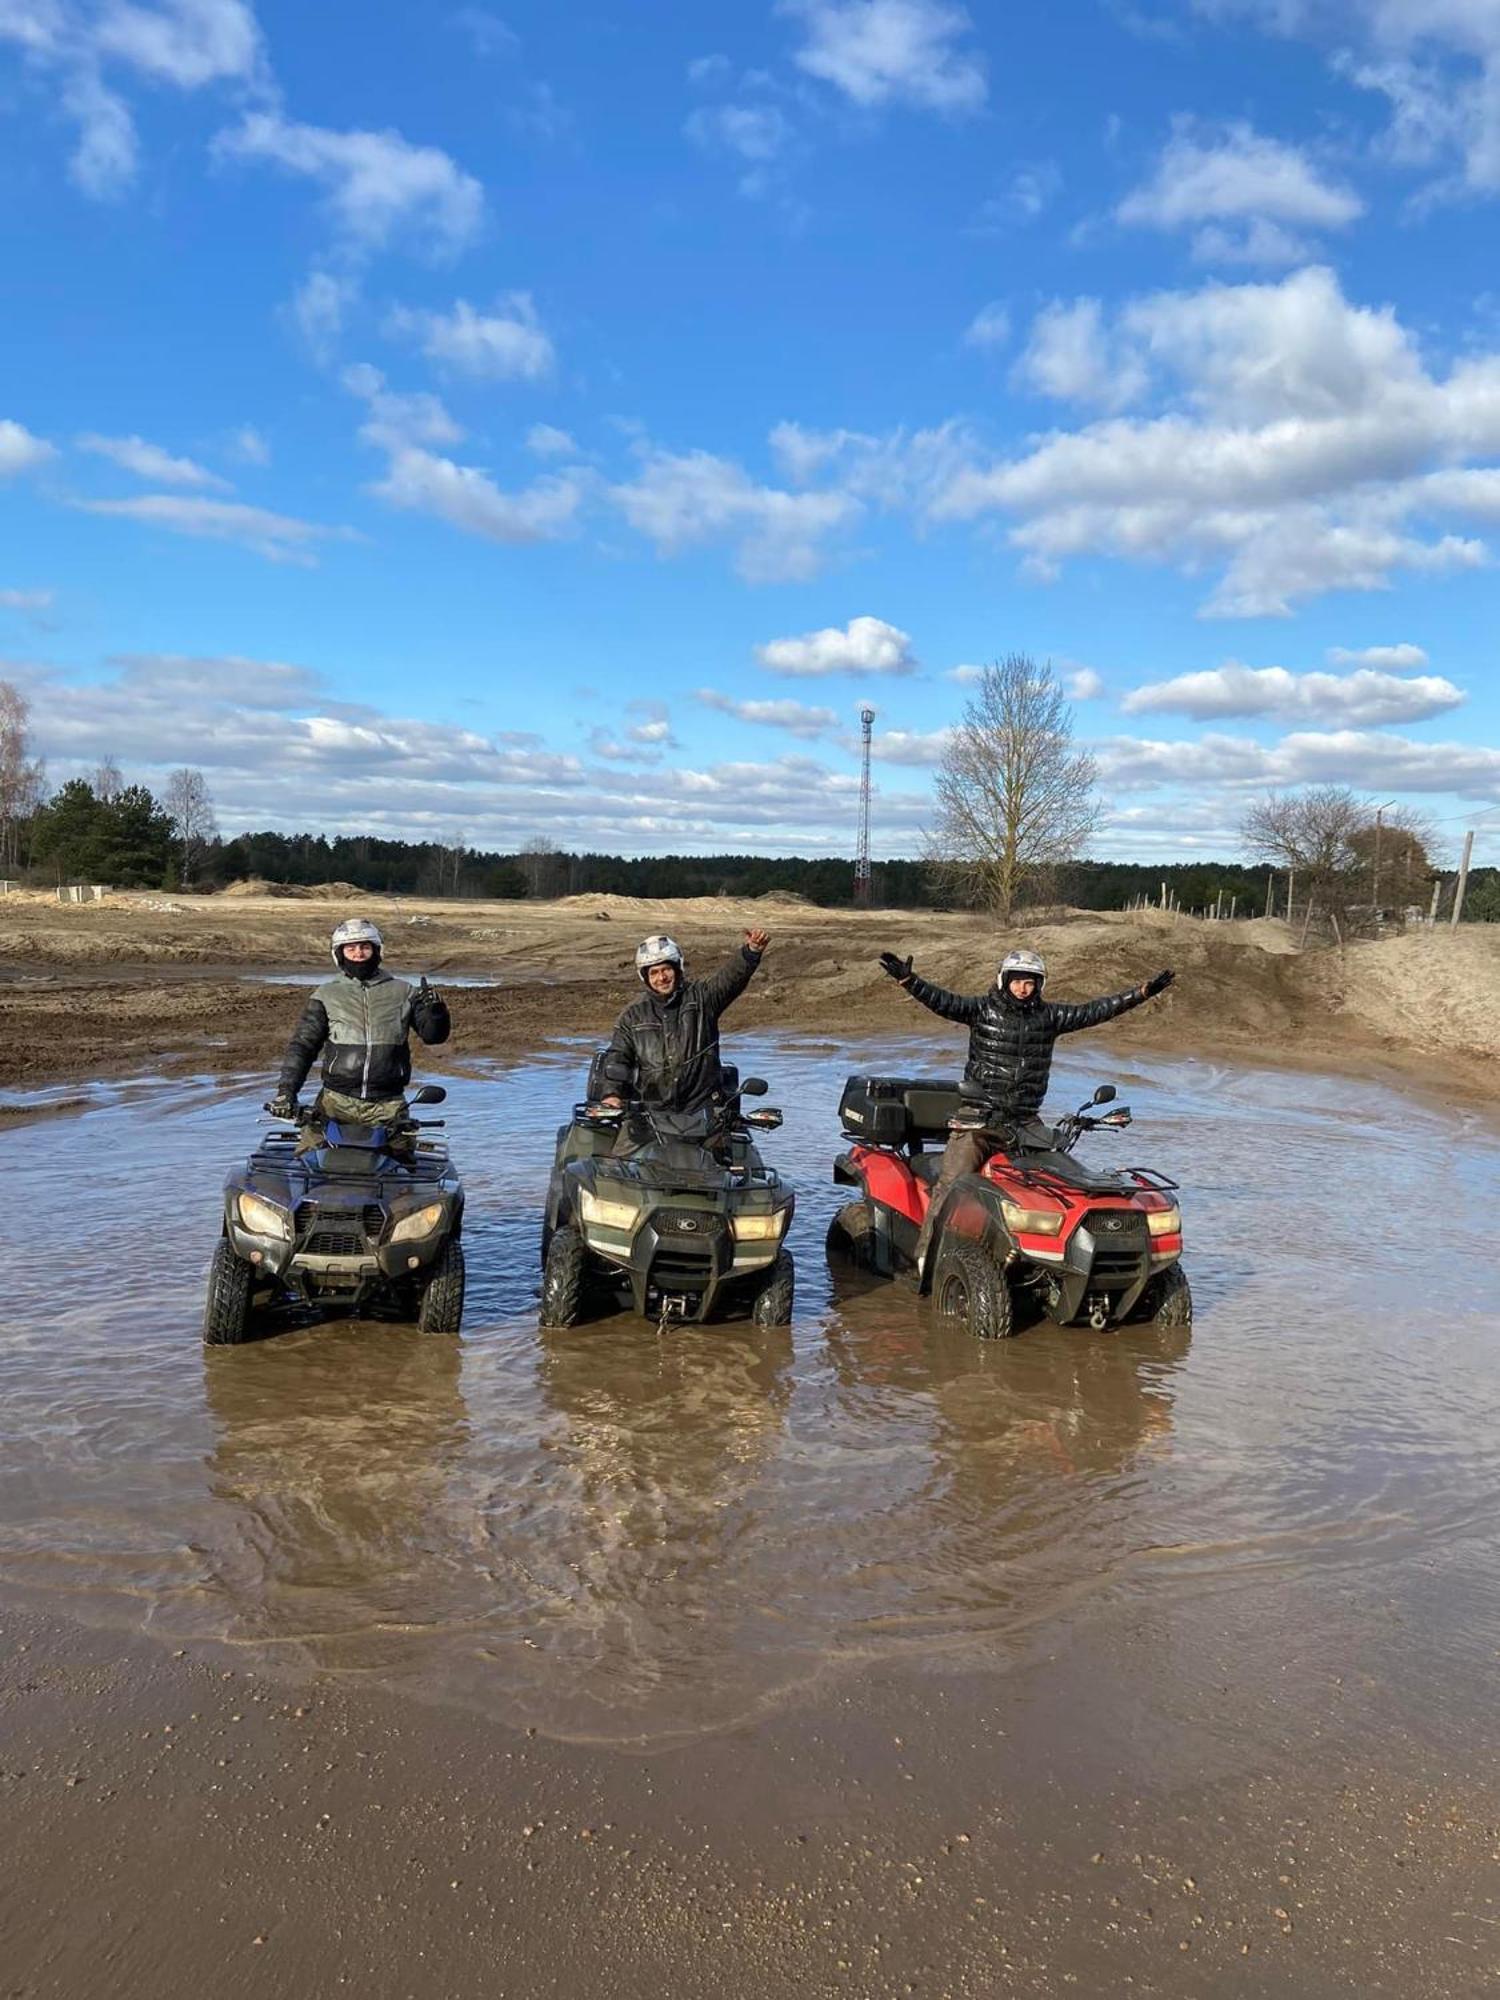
[(152, 983)]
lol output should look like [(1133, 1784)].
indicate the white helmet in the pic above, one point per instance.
[(1025, 964), (657, 951), (354, 930)]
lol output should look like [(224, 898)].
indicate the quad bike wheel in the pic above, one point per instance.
[(851, 1235), (563, 1279), (971, 1289), (442, 1307), (773, 1302), (226, 1310), (1168, 1299)]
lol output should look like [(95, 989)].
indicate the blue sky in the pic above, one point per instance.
[(560, 420)]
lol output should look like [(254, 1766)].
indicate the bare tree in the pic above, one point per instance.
[(1333, 841), (186, 799), (545, 867), (1013, 795), (109, 781), (21, 774)]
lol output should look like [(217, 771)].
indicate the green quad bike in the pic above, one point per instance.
[(675, 1215)]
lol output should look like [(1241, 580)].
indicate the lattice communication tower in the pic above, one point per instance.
[(862, 854)]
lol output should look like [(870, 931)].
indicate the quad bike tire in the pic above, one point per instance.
[(1168, 1299), (773, 1302), (563, 1278), (442, 1306), (972, 1290), (851, 1235), (226, 1310)]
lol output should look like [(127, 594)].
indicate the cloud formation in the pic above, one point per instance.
[(1243, 197), (506, 344), (1363, 699), (151, 462), (880, 52), (797, 717), (682, 500), (864, 646), (278, 537)]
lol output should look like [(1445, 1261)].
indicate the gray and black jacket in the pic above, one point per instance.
[(1010, 1041), (667, 1051), (360, 1026)]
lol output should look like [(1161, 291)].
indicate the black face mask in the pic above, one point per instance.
[(367, 969)]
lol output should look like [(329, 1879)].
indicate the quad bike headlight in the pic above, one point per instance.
[(758, 1228), (607, 1214), (1032, 1221), (263, 1218), (1164, 1221), (421, 1222)]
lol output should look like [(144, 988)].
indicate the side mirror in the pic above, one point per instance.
[(1105, 1094), (754, 1086), (429, 1093)]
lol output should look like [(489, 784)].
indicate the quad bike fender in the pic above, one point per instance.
[(888, 1181)]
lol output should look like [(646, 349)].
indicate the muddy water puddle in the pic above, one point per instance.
[(609, 1534)]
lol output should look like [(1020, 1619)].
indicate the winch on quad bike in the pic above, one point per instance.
[(369, 1217), (1032, 1235), (675, 1214)]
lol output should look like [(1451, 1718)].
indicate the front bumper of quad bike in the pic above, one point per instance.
[(340, 1252), (690, 1256)]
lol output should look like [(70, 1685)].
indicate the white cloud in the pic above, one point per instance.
[(757, 133), (1363, 699), (279, 537), (1026, 194), (909, 746), (487, 34), (250, 447), (707, 72), (891, 51), (187, 44), (20, 451), (795, 716), (396, 421), (546, 441), (27, 603), (319, 308), (1366, 760), (863, 646), (467, 498), (1071, 358), (1083, 684), (966, 675), (1299, 445), (505, 345), (681, 500), (149, 461), (990, 326), (1403, 659), (1241, 193), (378, 185)]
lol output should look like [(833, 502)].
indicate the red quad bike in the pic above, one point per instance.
[(1033, 1235)]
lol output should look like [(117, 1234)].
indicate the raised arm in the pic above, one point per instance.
[(1068, 1016), (302, 1051), (619, 1065), (937, 999), (430, 1016), (725, 986)]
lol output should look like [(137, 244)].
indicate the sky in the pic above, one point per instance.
[(559, 421)]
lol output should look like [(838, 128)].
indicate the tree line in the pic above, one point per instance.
[(1015, 804)]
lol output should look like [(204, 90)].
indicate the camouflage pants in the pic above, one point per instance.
[(349, 1111)]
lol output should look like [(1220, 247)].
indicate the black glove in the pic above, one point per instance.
[(898, 968), (283, 1105), (1157, 983)]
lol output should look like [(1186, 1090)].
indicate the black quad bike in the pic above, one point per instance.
[(675, 1215), (1033, 1235), (370, 1219)]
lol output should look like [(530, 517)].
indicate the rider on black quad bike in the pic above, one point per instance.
[(1011, 1033), (665, 1047)]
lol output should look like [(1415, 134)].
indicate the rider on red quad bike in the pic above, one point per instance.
[(1011, 1033)]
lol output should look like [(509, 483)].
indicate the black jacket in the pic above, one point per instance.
[(667, 1051), (360, 1026), (1010, 1041)]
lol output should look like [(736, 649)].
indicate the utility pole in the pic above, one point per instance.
[(1291, 882), (1379, 812), (1270, 889), (862, 856), (1463, 879), (1437, 897)]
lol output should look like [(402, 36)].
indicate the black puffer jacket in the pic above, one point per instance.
[(667, 1051), (1010, 1041), (360, 1026)]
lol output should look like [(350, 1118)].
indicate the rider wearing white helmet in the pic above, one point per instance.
[(665, 1047), (359, 1022), (1011, 1033)]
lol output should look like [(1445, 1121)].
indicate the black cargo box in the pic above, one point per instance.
[(898, 1110)]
